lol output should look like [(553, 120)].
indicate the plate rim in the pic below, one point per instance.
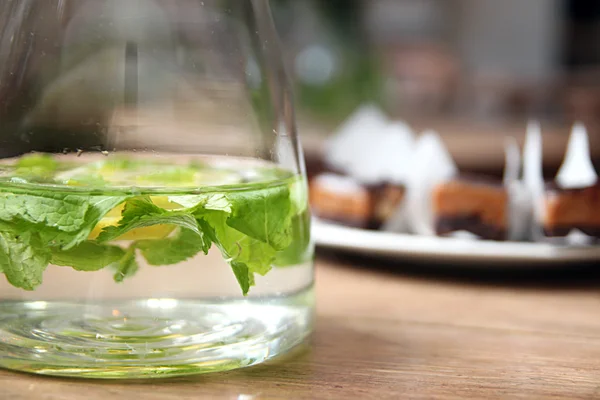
[(433, 248)]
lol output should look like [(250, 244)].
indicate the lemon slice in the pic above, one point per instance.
[(150, 232), (164, 202), (143, 173)]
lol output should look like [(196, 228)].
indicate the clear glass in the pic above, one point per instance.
[(136, 136)]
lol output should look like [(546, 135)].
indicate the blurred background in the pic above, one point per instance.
[(474, 70)]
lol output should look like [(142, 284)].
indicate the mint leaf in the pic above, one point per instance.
[(23, 259), (8, 230), (140, 213), (169, 175), (236, 246), (188, 201), (139, 206), (37, 160), (127, 266), (263, 214), (252, 227), (66, 213), (63, 220), (199, 202), (99, 206), (36, 166), (243, 275), (248, 227), (245, 254), (301, 249), (88, 256), (185, 245), (299, 196), (94, 180)]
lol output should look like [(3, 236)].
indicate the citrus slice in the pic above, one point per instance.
[(164, 202), (150, 232)]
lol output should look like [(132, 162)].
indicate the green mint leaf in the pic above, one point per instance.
[(217, 202), (189, 201), (36, 166), (127, 266), (37, 160), (62, 220), (65, 213), (245, 254), (200, 202), (185, 245), (140, 213), (99, 206), (23, 259), (88, 256), (243, 275), (93, 180), (299, 196), (263, 214), (236, 246), (8, 230), (169, 175), (139, 206), (248, 228), (301, 249)]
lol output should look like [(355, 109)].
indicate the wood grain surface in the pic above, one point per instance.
[(388, 335)]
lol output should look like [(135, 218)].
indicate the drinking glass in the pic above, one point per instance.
[(153, 199)]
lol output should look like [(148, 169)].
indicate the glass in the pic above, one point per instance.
[(137, 135)]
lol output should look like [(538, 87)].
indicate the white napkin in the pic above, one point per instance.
[(351, 139), (577, 170), (431, 165), (386, 157), (519, 201)]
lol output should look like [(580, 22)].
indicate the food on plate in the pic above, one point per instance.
[(375, 174), (344, 200), (387, 199), (444, 202), (564, 208), (372, 155), (341, 199), (477, 206)]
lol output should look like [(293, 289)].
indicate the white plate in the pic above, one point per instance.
[(447, 250)]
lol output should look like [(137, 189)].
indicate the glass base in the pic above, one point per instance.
[(151, 338)]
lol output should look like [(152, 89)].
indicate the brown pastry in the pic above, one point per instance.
[(341, 199), (387, 199), (568, 209), (472, 205)]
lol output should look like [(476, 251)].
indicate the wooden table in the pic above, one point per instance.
[(388, 335)]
